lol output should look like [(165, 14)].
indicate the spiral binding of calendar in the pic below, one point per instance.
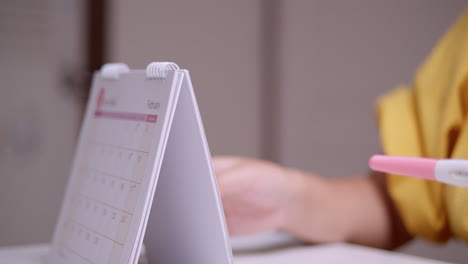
[(158, 70), (113, 70)]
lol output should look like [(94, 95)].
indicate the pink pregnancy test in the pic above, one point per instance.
[(450, 171)]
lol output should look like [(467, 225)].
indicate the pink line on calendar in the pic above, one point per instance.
[(126, 116)]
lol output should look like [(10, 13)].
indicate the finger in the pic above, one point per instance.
[(235, 183), (221, 164)]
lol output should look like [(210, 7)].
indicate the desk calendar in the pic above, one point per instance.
[(142, 171)]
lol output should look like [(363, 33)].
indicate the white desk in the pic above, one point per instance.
[(331, 254)]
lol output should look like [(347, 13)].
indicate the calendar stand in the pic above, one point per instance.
[(142, 172), (186, 224)]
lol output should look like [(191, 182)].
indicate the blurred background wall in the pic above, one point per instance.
[(290, 81), (41, 52)]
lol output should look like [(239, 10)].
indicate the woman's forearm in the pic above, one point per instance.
[(356, 210)]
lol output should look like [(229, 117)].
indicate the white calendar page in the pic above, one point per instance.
[(115, 170)]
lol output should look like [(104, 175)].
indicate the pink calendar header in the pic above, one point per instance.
[(126, 116)]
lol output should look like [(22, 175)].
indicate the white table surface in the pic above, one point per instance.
[(332, 254)]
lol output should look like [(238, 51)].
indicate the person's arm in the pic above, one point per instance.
[(354, 209), (259, 196)]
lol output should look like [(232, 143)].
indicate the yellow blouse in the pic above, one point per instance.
[(430, 119)]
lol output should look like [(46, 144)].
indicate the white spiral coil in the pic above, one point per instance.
[(112, 71), (158, 70)]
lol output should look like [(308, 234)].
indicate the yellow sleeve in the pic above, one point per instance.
[(428, 119)]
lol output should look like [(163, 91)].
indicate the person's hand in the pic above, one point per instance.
[(255, 194), (259, 196)]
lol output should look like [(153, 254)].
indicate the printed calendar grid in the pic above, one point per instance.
[(91, 249), (113, 163), (123, 147), (114, 176), (94, 231), (85, 197), (77, 254)]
